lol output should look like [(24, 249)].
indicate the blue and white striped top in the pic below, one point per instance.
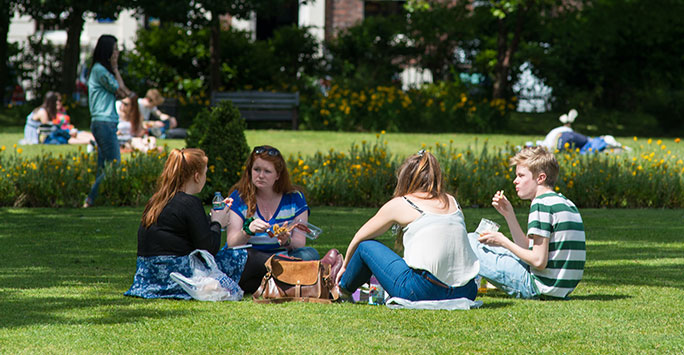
[(291, 205)]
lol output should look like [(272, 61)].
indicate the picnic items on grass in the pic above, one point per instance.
[(207, 282)]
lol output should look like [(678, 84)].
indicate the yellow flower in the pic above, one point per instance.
[(2, 149), (677, 140), (19, 150), (649, 141)]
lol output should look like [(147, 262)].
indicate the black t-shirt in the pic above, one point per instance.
[(181, 228)]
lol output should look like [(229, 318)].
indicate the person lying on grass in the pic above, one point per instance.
[(548, 261), (438, 263)]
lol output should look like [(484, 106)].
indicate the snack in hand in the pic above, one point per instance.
[(277, 230)]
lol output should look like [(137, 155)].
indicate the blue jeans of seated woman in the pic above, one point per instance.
[(396, 277), (107, 150), (504, 270)]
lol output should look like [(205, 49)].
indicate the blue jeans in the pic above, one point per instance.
[(396, 277), (504, 270), (107, 150)]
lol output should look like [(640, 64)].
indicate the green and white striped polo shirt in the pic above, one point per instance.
[(553, 216)]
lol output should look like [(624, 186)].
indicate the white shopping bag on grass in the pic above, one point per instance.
[(207, 282)]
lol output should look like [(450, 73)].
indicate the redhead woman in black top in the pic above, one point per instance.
[(174, 224)]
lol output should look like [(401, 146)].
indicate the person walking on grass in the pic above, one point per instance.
[(548, 261), (104, 86)]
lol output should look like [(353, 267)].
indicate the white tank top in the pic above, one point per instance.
[(438, 243)]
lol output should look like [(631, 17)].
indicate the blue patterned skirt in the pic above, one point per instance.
[(152, 279)]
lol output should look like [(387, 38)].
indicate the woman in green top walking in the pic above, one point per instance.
[(104, 86)]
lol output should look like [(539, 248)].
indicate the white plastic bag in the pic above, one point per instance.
[(208, 282)]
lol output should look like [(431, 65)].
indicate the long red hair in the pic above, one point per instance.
[(246, 188), (180, 167)]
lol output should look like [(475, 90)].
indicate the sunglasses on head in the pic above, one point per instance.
[(271, 151)]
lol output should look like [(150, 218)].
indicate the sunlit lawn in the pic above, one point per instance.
[(63, 272)]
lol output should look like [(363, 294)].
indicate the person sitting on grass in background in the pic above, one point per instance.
[(174, 224), (130, 131), (41, 115), (548, 261), (63, 121), (438, 262), (147, 106)]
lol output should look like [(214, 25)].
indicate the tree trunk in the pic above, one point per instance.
[(214, 53), (72, 51), (5, 15), (505, 54)]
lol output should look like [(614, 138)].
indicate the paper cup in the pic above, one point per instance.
[(487, 225)]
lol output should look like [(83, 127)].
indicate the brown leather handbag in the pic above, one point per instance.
[(289, 279)]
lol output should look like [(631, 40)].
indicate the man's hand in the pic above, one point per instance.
[(494, 239), (502, 205)]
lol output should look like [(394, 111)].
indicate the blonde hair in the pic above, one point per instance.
[(180, 167), (154, 97), (538, 159)]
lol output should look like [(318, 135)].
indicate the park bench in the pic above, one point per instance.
[(262, 106)]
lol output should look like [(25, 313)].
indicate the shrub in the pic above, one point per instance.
[(365, 176), (432, 108), (63, 180), (133, 181), (220, 133)]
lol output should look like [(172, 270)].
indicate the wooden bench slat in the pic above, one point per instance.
[(262, 106)]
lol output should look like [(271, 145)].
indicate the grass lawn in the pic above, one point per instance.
[(63, 272), (309, 142)]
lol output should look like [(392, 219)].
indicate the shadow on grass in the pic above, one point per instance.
[(599, 297), (18, 311), (494, 304)]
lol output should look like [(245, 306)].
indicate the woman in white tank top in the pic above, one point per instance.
[(438, 262)]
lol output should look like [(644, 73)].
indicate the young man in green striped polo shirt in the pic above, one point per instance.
[(548, 260)]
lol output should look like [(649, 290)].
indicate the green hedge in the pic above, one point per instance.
[(364, 176)]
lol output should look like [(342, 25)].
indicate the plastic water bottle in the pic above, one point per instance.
[(218, 201)]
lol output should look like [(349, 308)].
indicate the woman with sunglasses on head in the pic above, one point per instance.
[(262, 198), (438, 262), (174, 224)]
